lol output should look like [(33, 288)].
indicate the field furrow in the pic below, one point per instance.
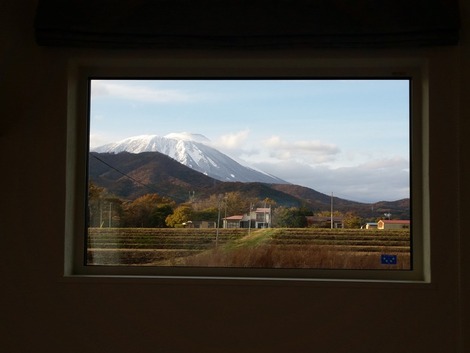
[(288, 247)]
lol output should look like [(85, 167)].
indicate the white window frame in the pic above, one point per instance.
[(177, 65)]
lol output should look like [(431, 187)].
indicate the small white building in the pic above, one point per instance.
[(371, 225)]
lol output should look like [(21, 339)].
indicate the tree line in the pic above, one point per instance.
[(156, 211)]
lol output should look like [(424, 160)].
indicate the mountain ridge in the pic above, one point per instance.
[(128, 176)]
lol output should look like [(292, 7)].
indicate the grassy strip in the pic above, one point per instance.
[(311, 257)]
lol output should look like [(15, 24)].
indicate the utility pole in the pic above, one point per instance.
[(249, 219), (110, 214), (218, 220), (225, 206), (331, 218), (264, 220), (101, 214), (270, 217)]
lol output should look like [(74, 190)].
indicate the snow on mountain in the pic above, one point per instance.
[(193, 151)]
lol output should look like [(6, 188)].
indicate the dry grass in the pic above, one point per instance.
[(271, 256)]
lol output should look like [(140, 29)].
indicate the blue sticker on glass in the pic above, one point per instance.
[(388, 259)]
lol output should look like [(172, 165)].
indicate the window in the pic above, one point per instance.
[(223, 207)]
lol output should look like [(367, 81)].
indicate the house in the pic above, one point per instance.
[(262, 217), (233, 221), (393, 224), (258, 218)]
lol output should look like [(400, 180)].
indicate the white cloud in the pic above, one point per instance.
[(392, 163), (378, 180), (232, 141), (102, 88), (310, 151)]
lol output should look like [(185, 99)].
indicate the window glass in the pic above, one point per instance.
[(249, 173)]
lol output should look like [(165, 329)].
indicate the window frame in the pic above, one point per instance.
[(175, 66)]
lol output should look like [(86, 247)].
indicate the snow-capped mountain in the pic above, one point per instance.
[(191, 150)]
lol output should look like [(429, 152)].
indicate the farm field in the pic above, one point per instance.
[(260, 248)]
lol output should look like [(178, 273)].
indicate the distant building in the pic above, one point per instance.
[(263, 217), (233, 222), (324, 222), (199, 224), (393, 224), (370, 225), (259, 218)]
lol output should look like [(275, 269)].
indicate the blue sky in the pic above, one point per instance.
[(346, 137)]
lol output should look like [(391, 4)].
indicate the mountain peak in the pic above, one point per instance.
[(194, 151)]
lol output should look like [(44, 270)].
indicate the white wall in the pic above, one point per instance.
[(43, 312)]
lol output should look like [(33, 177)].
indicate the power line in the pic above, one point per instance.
[(135, 180)]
